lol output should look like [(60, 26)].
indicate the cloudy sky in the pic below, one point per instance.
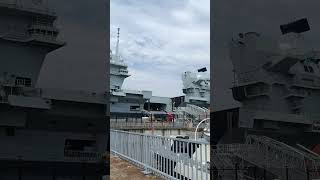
[(159, 40)]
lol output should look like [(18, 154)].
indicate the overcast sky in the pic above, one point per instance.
[(159, 40), (231, 17)]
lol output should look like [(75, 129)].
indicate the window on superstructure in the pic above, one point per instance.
[(134, 108), (308, 69), (79, 145), (21, 81), (311, 69), (296, 111), (10, 131)]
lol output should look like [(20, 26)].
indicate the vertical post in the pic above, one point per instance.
[(20, 169), (141, 118), (287, 173), (19, 173), (308, 177), (54, 172), (255, 172), (152, 130), (236, 171), (83, 171), (264, 174)]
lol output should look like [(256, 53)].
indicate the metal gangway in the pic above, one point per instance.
[(167, 157), (193, 111), (276, 157)]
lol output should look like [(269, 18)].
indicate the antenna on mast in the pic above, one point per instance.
[(117, 47)]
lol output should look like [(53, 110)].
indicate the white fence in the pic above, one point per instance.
[(170, 158)]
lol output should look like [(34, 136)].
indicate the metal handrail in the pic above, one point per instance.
[(167, 157)]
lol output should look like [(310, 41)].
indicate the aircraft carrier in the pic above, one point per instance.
[(126, 104), (44, 133), (276, 127)]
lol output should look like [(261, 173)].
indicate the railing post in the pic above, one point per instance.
[(236, 171), (84, 171), (53, 171), (308, 174), (287, 173), (144, 154), (255, 172)]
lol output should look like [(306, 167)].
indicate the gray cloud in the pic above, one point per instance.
[(160, 40)]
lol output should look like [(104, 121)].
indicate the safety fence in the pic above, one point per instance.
[(132, 122), (186, 159), (151, 125), (257, 173), (170, 158), (139, 117)]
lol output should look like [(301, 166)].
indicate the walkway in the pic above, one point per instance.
[(121, 169)]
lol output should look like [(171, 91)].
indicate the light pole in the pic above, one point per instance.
[(152, 129), (195, 133)]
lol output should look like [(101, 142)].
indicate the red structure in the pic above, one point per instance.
[(170, 117)]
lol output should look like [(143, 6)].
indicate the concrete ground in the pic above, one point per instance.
[(121, 169)]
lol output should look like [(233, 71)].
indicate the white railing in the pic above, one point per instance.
[(196, 112), (149, 125), (274, 156), (170, 158)]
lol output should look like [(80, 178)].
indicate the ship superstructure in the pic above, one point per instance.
[(45, 133), (196, 87), (124, 103), (133, 103), (194, 105), (118, 69), (277, 83), (277, 124)]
